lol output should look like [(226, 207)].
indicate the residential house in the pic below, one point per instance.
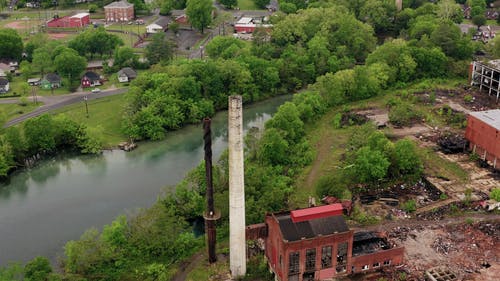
[(119, 11), (34, 81), (4, 69), (4, 85), (51, 81), (159, 25), (91, 79), (154, 28), (126, 74), (179, 16)]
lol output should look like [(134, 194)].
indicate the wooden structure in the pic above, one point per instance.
[(483, 134), (316, 244)]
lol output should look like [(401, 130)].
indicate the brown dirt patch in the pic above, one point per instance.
[(57, 36), (16, 25)]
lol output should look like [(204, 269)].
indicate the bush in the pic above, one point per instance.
[(403, 114), (468, 98), (92, 8), (495, 194), (409, 206)]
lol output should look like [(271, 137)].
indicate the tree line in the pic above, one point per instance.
[(145, 245)]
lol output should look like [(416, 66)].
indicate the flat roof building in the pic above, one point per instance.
[(483, 134)]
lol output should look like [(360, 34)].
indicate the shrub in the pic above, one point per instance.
[(409, 206), (495, 194), (468, 98), (92, 8), (403, 114)]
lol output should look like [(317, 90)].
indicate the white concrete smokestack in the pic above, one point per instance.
[(237, 242), (399, 5)]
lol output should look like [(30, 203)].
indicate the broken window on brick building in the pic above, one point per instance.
[(311, 259), (341, 257), (293, 260), (326, 257)]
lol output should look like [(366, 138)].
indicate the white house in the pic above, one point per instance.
[(4, 85), (154, 28), (126, 74)]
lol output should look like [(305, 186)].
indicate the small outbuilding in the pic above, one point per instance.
[(126, 74), (483, 134), (78, 20), (4, 85), (51, 81), (34, 81), (91, 79), (154, 28)]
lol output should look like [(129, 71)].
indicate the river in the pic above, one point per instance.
[(56, 201)]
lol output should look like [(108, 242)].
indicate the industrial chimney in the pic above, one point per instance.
[(237, 243), (210, 215), (399, 5)]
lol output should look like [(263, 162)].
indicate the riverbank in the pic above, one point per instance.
[(57, 200)]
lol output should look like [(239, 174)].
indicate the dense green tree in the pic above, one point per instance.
[(95, 41), (288, 8), (479, 20), (407, 160), (450, 39), (273, 148), (493, 47), (42, 61), (431, 62), (397, 55), (37, 269), (380, 14), (478, 7), (225, 47), (229, 3), (370, 165), (39, 134), (160, 49), (261, 3), (422, 25), (450, 10), (199, 13), (70, 64), (287, 119), (125, 57), (11, 44)]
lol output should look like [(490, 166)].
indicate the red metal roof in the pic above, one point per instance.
[(316, 212)]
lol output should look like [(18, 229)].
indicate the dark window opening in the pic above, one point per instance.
[(326, 257), (308, 276), (293, 263), (311, 260), (341, 257), (387, 262), (377, 264)]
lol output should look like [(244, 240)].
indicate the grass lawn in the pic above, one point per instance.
[(247, 5), (105, 114), (10, 111)]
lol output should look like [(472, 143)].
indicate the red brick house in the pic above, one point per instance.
[(78, 20), (483, 134), (316, 244), (119, 11)]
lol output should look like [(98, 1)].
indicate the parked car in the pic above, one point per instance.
[(96, 90)]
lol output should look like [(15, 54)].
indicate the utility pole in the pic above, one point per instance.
[(85, 98)]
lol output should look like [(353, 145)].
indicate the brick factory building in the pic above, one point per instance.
[(119, 11), (316, 244), (78, 20), (482, 133)]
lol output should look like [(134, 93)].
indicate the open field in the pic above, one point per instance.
[(9, 111), (247, 5), (100, 117)]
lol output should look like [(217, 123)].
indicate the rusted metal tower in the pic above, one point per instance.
[(210, 215)]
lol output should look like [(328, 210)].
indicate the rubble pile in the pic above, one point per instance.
[(452, 143), (467, 249)]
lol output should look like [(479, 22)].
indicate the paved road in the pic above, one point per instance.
[(55, 102)]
